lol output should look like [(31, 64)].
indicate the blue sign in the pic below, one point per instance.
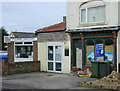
[(99, 50)]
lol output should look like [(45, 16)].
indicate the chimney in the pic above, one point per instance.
[(64, 18)]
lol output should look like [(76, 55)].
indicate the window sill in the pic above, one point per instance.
[(92, 24), (23, 59)]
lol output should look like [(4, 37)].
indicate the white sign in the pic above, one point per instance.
[(23, 39), (7, 39)]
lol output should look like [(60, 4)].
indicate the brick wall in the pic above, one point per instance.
[(35, 51), (19, 67), (4, 66), (11, 52)]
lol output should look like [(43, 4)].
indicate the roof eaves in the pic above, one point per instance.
[(92, 30), (50, 31)]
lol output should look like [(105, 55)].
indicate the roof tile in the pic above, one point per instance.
[(55, 27)]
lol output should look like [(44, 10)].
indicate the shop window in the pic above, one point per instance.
[(89, 51), (23, 51), (109, 50), (93, 14)]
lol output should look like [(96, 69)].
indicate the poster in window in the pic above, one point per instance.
[(90, 56), (99, 50), (109, 56)]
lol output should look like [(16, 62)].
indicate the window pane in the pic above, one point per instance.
[(24, 51), (50, 52), (50, 65), (101, 13), (83, 15), (96, 14), (18, 42), (27, 42), (58, 66), (58, 53), (92, 15)]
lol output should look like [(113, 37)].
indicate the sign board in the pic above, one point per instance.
[(23, 39), (109, 56), (7, 39), (99, 50), (90, 56)]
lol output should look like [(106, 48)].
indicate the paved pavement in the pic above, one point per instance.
[(43, 80)]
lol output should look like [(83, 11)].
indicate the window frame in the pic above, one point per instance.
[(22, 59), (87, 15)]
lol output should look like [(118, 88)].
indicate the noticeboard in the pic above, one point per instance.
[(99, 50)]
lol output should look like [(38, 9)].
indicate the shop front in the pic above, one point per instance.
[(53, 48), (93, 45)]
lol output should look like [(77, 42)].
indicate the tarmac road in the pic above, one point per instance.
[(43, 80)]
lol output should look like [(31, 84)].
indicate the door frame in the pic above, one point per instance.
[(54, 44)]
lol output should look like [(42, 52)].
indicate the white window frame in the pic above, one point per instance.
[(22, 59), (87, 13)]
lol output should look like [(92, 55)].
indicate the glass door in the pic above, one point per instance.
[(50, 58), (54, 57), (58, 58)]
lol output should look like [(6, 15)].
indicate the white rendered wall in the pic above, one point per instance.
[(73, 14)]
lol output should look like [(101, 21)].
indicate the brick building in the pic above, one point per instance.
[(23, 47), (22, 54)]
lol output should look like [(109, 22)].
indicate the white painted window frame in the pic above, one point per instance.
[(22, 59)]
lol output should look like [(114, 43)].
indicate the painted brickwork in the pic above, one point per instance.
[(53, 37)]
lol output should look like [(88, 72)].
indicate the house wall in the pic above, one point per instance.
[(35, 51), (119, 13), (42, 55), (43, 39), (73, 14)]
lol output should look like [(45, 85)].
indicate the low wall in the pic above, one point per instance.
[(19, 67)]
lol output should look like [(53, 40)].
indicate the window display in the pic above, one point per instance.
[(24, 51)]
